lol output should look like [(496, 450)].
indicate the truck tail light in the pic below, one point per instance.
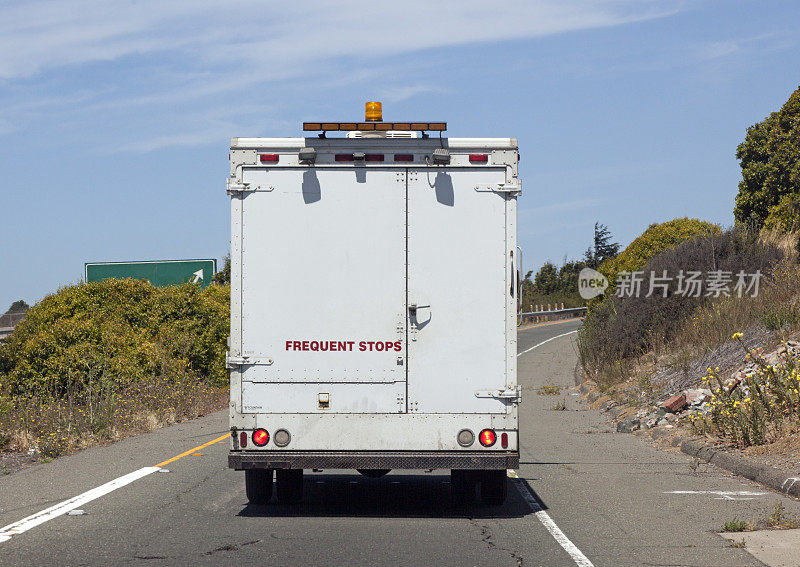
[(403, 157), (504, 440), (466, 437), (260, 437), (281, 438), (478, 158), (243, 439), (487, 437), (268, 157)]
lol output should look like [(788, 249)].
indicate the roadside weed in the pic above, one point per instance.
[(756, 408), (734, 525), (560, 406), (549, 390), (780, 520)]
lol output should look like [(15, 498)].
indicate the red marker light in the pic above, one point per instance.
[(478, 158), (343, 157), (373, 157), (243, 439), (487, 437), (260, 437), (504, 440), (268, 157), (403, 157)]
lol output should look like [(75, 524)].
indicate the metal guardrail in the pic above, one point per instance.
[(538, 316), (570, 311)]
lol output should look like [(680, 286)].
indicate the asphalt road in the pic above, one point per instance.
[(585, 496)]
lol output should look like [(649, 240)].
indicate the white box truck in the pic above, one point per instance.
[(374, 296)]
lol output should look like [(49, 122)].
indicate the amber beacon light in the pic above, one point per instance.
[(373, 112)]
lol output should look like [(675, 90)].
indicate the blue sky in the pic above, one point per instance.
[(115, 117)]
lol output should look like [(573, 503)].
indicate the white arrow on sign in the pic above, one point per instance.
[(198, 275)]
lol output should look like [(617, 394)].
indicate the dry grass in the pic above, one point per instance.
[(53, 427)]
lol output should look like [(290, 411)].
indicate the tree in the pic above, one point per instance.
[(546, 279), (603, 248), (223, 277), (769, 191), (19, 306)]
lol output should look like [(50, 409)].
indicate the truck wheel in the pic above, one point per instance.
[(462, 486), (258, 485), (290, 485), (493, 487), (374, 473)]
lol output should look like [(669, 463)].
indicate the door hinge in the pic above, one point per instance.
[(512, 188), (512, 395), (232, 361), (235, 188)]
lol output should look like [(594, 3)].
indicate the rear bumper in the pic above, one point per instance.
[(241, 460)]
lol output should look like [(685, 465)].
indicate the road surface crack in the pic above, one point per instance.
[(231, 547), (487, 538)]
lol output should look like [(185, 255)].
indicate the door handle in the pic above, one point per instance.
[(412, 308)]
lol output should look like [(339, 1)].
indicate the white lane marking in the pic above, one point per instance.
[(576, 554), (785, 488), (547, 341), (64, 507), (721, 494)]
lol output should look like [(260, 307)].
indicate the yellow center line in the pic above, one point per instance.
[(190, 451)]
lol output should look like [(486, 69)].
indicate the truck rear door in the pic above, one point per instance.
[(323, 295), (459, 280)]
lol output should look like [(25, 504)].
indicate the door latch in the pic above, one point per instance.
[(512, 395)]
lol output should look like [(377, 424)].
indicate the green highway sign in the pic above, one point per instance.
[(158, 272)]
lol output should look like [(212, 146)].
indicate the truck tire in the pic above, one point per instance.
[(493, 487), (462, 486), (290, 485), (258, 485)]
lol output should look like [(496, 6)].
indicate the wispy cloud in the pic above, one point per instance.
[(180, 53)]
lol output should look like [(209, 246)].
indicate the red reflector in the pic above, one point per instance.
[(487, 437), (374, 157), (478, 158), (260, 437), (243, 439), (268, 157), (343, 157), (403, 157), (504, 440)]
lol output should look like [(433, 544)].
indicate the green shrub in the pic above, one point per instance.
[(654, 240), (619, 329), (108, 335)]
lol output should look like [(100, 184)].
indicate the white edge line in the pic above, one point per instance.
[(576, 554), (544, 518), (546, 341), (62, 508)]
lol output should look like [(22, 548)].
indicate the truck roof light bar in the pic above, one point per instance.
[(372, 126)]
